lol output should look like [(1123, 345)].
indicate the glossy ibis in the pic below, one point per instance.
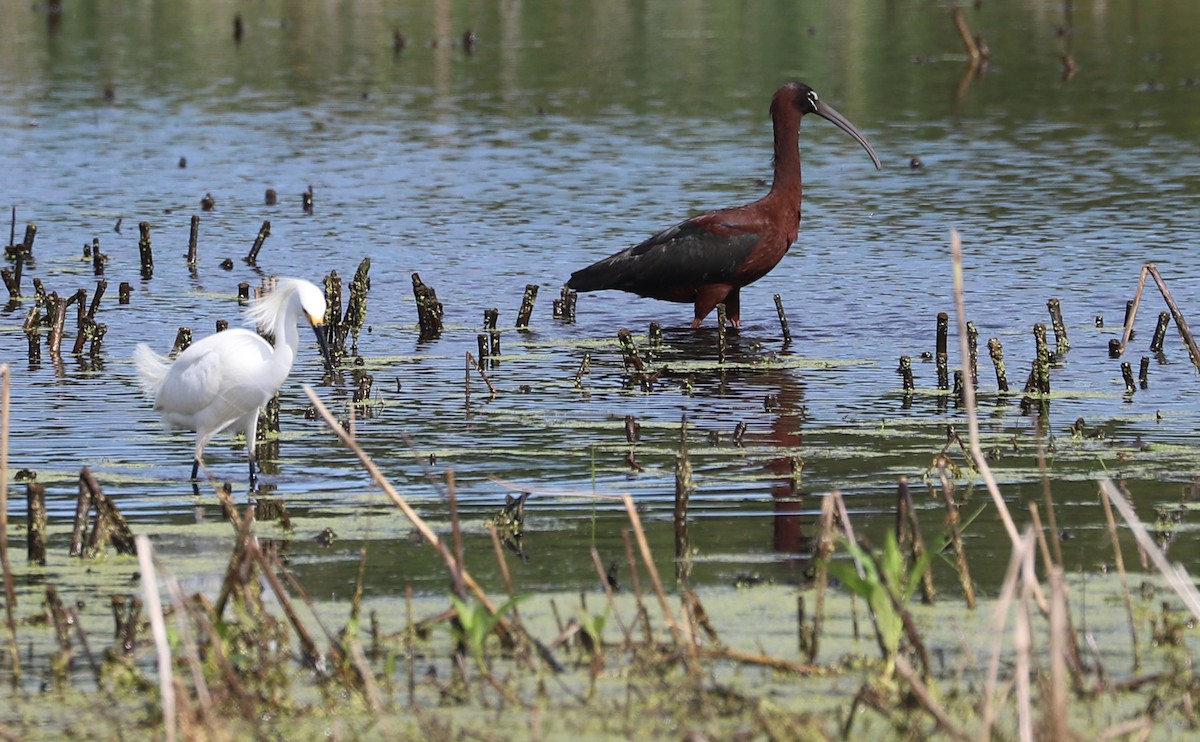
[(224, 380), (707, 259)]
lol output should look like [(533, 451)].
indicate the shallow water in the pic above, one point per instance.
[(568, 134)]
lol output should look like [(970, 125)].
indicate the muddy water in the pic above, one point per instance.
[(566, 135)]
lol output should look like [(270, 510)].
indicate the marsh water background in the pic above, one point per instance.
[(571, 131)]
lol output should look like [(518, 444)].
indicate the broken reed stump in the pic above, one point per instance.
[(1160, 332), (783, 323), (429, 309), (57, 322), (973, 352), (906, 373), (144, 252), (108, 525), (243, 290), (996, 351), (183, 339), (193, 238), (1127, 375), (941, 357), (263, 233), (356, 308), (1061, 343), (270, 198), (564, 306), (1144, 372), (35, 544), (654, 335), (484, 344), (98, 258), (629, 352), (526, 311), (124, 291), (585, 366), (307, 200)]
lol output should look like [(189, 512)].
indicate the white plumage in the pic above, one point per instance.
[(223, 381)]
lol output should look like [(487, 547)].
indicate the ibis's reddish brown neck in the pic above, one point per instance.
[(785, 190)]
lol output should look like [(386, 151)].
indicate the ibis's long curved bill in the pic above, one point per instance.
[(827, 112)]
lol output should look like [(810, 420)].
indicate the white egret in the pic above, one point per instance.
[(224, 380)]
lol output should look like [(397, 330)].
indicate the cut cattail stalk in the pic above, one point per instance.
[(1144, 372), (429, 310), (263, 233), (629, 352), (783, 323), (973, 352), (193, 239), (996, 351), (183, 339), (243, 294), (98, 259), (906, 373), (941, 357), (483, 346), (144, 251), (526, 311), (307, 200), (482, 374), (123, 292), (655, 336), (1160, 332), (1061, 343), (36, 510), (1127, 374)]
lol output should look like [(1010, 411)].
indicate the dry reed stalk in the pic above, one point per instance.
[(926, 699), (626, 631), (1055, 714), (1119, 559), (969, 394), (1051, 521), (380, 481), (191, 651), (456, 536), (1177, 576), (680, 632), (409, 646), (158, 629), (204, 614), (821, 553), (1008, 591), (471, 362), (1023, 646), (908, 525), (10, 590), (953, 520), (643, 614), (964, 33), (310, 653)]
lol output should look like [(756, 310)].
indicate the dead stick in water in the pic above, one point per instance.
[(526, 311), (482, 374), (263, 233), (783, 323), (193, 238), (941, 356), (1160, 332), (1176, 314)]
